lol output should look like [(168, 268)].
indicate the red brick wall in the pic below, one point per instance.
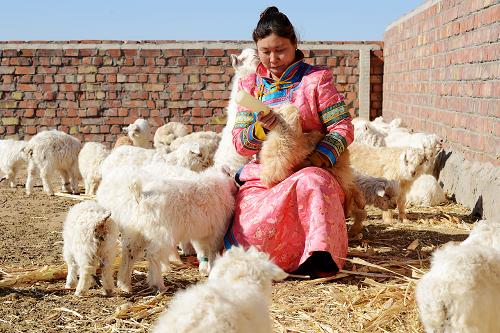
[(92, 88), (441, 74)]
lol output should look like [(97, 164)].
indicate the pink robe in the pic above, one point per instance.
[(304, 212)]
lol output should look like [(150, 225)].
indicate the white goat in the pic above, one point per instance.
[(243, 64), (51, 151), (235, 299), (167, 133), (189, 155), (157, 212), (140, 133), (385, 128), (89, 240), (89, 161), (425, 191), (379, 192), (461, 292), (366, 133), (12, 158), (485, 233), (400, 164), (193, 155), (208, 142)]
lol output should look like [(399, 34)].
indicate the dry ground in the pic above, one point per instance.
[(374, 294)]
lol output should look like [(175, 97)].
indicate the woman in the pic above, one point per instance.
[(300, 221)]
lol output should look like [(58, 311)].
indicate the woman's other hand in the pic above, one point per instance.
[(269, 121)]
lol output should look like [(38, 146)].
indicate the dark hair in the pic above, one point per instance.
[(273, 21)]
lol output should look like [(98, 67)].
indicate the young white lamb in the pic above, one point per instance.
[(207, 140), (243, 64), (89, 161), (430, 143), (167, 133), (485, 233), (51, 151), (385, 128), (89, 242), (366, 133), (379, 192), (235, 299), (140, 133), (425, 191), (400, 164), (461, 292), (12, 159), (189, 155), (157, 212), (202, 137)]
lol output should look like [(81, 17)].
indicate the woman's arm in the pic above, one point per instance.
[(248, 134), (337, 120)]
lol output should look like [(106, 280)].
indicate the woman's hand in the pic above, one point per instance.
[(269, 121)]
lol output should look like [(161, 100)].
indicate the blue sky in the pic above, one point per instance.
[(347, 20)]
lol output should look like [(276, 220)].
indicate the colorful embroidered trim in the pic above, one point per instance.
[(334, 114), (248, 140), (332, 145), (244, 119)]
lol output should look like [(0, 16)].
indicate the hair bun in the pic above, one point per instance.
[(269, 11)]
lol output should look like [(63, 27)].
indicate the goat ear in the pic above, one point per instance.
[(234, 61), (125, 129), (381, 193)]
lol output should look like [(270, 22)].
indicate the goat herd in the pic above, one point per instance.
[(182, 193)]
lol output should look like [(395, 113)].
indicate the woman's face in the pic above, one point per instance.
[(276, 53)]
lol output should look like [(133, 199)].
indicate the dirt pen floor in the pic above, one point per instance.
[(374, 293)]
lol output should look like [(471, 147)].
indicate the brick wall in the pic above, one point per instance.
[(92, 88), (442, 71)]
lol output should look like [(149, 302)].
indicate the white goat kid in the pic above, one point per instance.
[(89, 240), (485, 233), (243, 64), (400, 164), (157, 212), (12, 159), (366, 133), (378, 192), (89, 161), (52, 151), (140, 133), (461, 292), (235, 299), (167, 133), (425, 192)]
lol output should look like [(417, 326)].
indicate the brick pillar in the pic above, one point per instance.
[(364, 83)]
